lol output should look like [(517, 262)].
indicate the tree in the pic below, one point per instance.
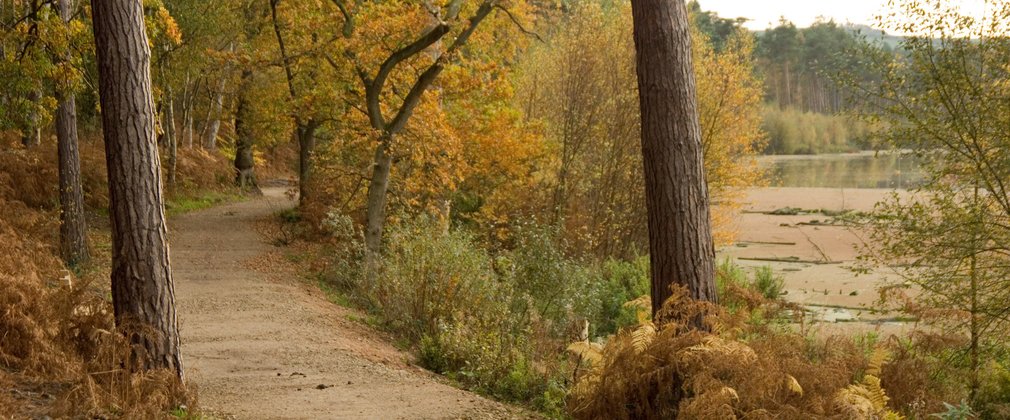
[(604, 213), (948, 101), (376, 100), (305, 127), (143, 294), (73, 226), (680, 237), (245, 164)]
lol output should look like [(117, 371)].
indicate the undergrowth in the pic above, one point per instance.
[(61, 353), (528, 323)]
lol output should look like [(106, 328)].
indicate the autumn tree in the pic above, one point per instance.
[(142, 288), (680, 239), (392, 92), (603, 214), (948, 102), (73, 226), (307, 122), (29, 35)]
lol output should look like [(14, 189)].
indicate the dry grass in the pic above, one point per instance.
[(61, 353)]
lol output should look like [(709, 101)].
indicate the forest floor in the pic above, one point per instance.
[(258, 342)]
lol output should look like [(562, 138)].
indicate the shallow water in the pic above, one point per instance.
[(850, 170)]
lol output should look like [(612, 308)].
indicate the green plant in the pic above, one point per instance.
[(766, 282), (956, 412)]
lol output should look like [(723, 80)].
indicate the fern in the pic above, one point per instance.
[(592, 352), (867, 398), (642, 336)]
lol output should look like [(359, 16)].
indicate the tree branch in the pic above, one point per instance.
[(374, 89), (519, 24), (429, 75)]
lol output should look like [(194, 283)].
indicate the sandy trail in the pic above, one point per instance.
[(259, 344)]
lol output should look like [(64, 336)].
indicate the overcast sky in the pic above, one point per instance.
[(765, 13)]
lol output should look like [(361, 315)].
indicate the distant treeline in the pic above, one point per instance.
[(800, 68), (794, 132)]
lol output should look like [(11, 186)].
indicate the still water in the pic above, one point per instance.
[(850, 170)]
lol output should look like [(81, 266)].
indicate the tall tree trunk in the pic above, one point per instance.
[(73, 226), (171, 141), (304, 130), (32, 135), (142, 287), (306, 146), (214, 117), (680, 239), (244, 164), (214, 113), (376, 205)]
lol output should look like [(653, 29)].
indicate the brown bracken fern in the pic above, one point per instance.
[(669, 369)]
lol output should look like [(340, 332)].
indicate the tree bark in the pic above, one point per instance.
[(73, 226), (142, 289), (680, 239)]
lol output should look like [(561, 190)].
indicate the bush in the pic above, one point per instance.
[(497, 324), (623, 281)]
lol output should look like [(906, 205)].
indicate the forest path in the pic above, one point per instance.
[(259, 343)]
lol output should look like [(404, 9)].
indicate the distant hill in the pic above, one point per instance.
[(874, 34), (871, 34)]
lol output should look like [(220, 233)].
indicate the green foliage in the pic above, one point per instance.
[(961, 411), (494, 323), (766, 282), (729, 274), (791, 131), (187, 203), (623, 281), (946, 101)]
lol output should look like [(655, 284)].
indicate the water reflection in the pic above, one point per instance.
[(856, 170)]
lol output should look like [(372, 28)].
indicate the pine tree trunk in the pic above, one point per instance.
[(142, 289), (680, 237), (73, 226)]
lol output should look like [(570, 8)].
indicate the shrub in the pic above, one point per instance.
[(430, 280), (766, 282), (623, 281), (496, 324)]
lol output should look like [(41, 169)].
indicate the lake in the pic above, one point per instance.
[(848, 170)]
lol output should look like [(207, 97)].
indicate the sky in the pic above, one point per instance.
[(766, 13)]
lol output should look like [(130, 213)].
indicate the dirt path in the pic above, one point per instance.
[(260, 343)]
